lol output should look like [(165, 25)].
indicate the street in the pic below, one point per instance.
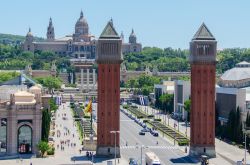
[(166, 152)]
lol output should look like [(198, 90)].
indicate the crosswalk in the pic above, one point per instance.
[(152, 147)]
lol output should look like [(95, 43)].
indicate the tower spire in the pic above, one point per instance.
[(81, 14)]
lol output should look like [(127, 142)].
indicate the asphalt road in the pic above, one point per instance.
[(166, 152)]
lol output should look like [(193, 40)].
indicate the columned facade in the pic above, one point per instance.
[(203, 61), (109, 58)]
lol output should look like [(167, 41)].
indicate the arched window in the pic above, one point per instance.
[(24, 139)]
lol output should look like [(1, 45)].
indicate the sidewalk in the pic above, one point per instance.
[(225, 151)]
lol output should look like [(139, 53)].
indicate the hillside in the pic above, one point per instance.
[(14, 39)]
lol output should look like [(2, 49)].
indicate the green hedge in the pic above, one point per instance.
[(157, 119), (125, 106), (183, 143), (145, 121), (134, 106), (139, 117), (86, 117), (150, 116)]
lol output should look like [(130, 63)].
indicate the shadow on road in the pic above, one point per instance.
[(184, 160)]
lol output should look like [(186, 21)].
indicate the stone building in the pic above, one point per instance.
[(132, 45), (81, 44), (21, 121), (78, 45)]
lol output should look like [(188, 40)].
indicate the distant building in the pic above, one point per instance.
[(181, 94), (233, 91), (78, 45), (132, 45), (81, 44), (160, 89)]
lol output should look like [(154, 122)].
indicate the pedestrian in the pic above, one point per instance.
[(80, 151), (30, 163)]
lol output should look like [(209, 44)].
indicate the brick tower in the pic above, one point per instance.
[(203, 61), (109, 58)]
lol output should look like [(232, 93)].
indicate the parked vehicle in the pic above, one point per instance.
[(141, 133), (132, 161), (145, 130), (152, 159)]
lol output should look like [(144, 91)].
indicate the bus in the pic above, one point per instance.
[(152, 159)]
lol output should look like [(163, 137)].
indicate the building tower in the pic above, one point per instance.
[(28, 43), (50, 31), (122, 37), (109, 58), (81, 30), (203, 61), (132, 37)]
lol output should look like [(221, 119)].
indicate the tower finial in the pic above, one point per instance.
[(111, 21), (81, 15)]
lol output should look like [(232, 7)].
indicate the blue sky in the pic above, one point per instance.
[(161, 23)]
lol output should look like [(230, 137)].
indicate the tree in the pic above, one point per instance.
[(187, 107), (43, 147), (50, 82), (46, 119), (167, 102)]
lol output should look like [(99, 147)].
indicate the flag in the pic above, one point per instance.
[(88, 109)]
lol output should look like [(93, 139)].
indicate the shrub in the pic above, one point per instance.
[(145, 121), (139, 117), (233, 143), (157, 119), (51, 150), (150, 116), (125, 106), (241, 146), (43, 147), (134, 106), (86, 117)]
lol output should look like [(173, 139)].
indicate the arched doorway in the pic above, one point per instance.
[(24, 140)]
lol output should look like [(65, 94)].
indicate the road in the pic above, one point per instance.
[(164, 150)]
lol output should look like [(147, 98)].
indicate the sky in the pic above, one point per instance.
[(160, 23)]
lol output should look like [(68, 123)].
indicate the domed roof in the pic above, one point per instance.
[(29, 33), (240, 72), (81, 21)]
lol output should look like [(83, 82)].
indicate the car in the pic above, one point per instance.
[(141, 133), (155, 133), (145, 129), (132, 161)]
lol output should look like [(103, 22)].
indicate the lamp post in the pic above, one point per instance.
[(115, 132), (246, 130), (142, 147)]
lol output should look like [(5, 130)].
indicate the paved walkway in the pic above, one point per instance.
[(226, 153), (66, 152)]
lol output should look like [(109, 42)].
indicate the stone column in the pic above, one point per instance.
[(93, 79), (87, 79), (81, 79), (12, 133)]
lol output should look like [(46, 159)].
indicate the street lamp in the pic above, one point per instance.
[(246, 130), (142, 147), (115, 132)]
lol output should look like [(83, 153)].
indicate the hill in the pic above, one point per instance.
[(14, 39)]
